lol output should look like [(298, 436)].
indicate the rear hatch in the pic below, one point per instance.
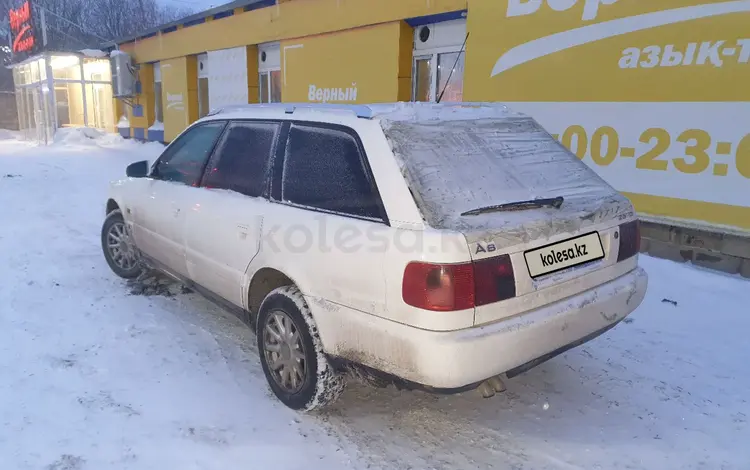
[(513, 190)]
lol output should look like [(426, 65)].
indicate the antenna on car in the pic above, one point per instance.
[(463, 46)]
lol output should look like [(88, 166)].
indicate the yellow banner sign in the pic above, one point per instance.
[(654, 96)]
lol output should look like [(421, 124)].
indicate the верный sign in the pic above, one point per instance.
[(23, 37)]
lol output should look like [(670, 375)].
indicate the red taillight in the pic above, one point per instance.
[(439, 287), (494, 280), (449, 287), (630, 240)]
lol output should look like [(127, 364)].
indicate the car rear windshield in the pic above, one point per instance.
[(457, 166)]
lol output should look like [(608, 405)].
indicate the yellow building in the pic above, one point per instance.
[(652, 95)]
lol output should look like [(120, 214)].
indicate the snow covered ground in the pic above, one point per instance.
[(92, 377)]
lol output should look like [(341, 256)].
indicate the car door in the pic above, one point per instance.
[(327, 227), (159, 222), (223, 228)]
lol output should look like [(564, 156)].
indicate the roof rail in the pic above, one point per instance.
[(361, 111)]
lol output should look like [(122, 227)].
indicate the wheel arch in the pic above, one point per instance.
[(112, 206), (262, 283)]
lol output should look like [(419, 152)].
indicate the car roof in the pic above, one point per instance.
[(401, 111)]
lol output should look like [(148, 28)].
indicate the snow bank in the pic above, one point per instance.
[(123, 123), (117, 52), (5, 134), (89, 137), (79, 136), (158, 126)]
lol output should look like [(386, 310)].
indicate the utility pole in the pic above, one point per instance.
[(43, 21)]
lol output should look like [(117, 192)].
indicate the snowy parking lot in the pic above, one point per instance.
[(96, 377)]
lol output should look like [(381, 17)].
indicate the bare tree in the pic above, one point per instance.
[(77, 24), (116, 18)]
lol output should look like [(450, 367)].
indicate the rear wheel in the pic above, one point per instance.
[(119, 249), (291, 353)]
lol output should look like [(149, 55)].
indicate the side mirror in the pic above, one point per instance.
[(137, 169)]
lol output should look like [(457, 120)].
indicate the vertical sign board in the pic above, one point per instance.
[(23, 34), (653, 95)]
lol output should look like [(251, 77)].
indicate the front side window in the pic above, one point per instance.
[(324, 169), (242, 158), (185, 159)]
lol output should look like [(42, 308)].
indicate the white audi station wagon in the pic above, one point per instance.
[(441, 247)]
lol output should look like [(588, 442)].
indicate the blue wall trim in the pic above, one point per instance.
[(139, 133), (258, 5), (439, 18), (169, 30), (156, 136), (138, 87), (194, 22), (124, 131), (138, 110), (150, 35), (223, 14)]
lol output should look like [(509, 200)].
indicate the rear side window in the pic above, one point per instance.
[(241, 162), (324, 168)]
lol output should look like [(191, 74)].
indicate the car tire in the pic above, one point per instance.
[(287, 338), (119, 249)]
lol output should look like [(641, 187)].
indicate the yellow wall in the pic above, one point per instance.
[(179, 94), (356, 66), (145, 99), (293, 19), (591, 71), (405, 55), (253, 92)]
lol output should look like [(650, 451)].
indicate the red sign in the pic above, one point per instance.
[(21, 27)]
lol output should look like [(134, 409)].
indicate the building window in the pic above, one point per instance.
[(423, 83), (63, 105), (269, 73), (450, 77), (158, 100), (270, 87), (204, 105), (439, 62)]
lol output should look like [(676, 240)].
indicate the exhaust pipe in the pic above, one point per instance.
[(493, 385)]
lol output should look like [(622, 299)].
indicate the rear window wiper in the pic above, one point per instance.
[(555, 202)]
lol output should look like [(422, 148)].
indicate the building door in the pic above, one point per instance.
[(269, 73), (439, 59)]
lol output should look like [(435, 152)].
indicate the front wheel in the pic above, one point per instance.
[(119, 249), (291, 353)]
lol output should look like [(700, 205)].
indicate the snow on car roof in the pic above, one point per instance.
[(420, 112), (413, 112)]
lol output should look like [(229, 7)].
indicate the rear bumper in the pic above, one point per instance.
[(455, 359)]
